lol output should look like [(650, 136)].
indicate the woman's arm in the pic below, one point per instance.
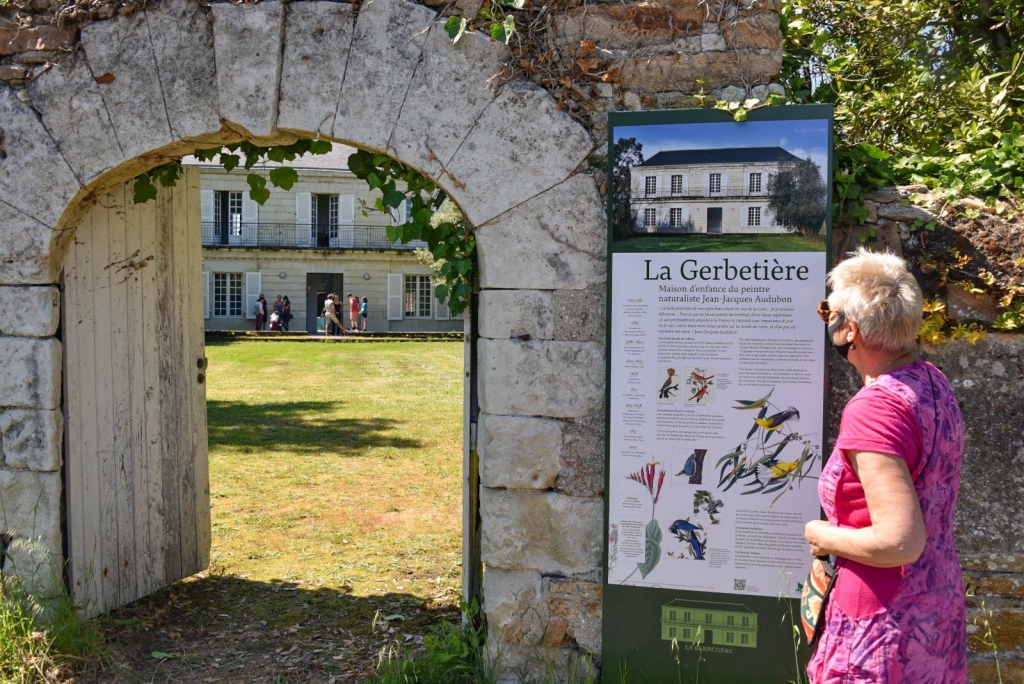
[(896, 535)]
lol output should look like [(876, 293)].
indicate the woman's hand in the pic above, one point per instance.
[(817, 533)]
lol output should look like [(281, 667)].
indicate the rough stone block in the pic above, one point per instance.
[(31, 511), (450, 90), (516, 611), (15, 40), (247, 43), (895, 211), (522, 135), (580, 314), (29, 311), (581, 469), (34, 177), (555, 240), (386, 47), (756, 32), (712, 42), (31, 377), (27, 248), (526, 314), (72, 108), (127, 77), (962, 306), (182, 43), (31, 439), (317, 37), (574, 609), (666, 73), (542, 531), (628, 26), (519, 453), (556, 379)]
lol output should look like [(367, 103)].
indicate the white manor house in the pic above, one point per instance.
[(721, 190)]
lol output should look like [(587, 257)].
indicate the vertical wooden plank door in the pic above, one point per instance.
[(136, 473)]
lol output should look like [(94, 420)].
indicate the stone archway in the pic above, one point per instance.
[(174, 78)]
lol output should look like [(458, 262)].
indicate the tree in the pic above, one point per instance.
[(798, 196), (627, 154)]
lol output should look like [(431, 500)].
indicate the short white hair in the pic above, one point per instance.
[(878, 292)]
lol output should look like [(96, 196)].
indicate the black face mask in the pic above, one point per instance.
[(843, 349)]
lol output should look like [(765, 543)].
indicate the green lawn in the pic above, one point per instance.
[(336, 493), (720, 243)]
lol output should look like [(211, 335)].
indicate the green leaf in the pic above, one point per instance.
[(259, 195), (394, 234), (393, 198), (143, 190), (320, 146), (455, 27), (441, 292), (229, 161), (652, 549), (160, 655), (358, 163), (284, 177)]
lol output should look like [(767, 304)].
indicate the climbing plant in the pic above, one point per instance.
[(447, 235)]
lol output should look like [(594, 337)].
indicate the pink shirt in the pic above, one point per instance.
[(876, 420)]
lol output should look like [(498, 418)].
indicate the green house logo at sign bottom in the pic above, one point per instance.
[(712, 624)]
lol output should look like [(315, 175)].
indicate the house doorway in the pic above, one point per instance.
[(715, 220), (318, 286)]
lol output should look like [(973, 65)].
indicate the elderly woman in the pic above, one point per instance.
[(896, 612)]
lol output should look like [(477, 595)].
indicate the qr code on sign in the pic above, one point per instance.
[(739, 585)]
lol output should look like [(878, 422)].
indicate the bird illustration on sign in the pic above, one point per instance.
[(700, 385), (757, 462), (690, 534), (667, 388)]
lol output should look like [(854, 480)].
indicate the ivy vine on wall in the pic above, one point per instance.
[(446, 233)]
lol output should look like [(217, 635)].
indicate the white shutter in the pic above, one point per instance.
[(441, 310), (744, 212), (686, 183), (396, 291), (725, 184), (346, 215), (206, 294), (304, 217), (657, 186), (250, 219), (686, 217), (746, 184), (253, 284), (206, 206), (707, 185)]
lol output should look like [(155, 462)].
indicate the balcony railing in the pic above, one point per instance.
[(300, 236)]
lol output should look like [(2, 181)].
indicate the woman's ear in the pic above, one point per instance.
[(854, 331)]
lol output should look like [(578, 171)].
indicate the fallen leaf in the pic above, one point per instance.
[(160, 655), (587, 47), (105, 78)]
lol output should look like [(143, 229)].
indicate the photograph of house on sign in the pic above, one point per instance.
[(756, 178)]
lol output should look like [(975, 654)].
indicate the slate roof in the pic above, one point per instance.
[(724, 155)]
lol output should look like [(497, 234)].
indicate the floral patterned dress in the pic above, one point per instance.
[(905, 624)]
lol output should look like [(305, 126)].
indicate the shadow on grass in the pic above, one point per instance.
[(299, 426), (231, 629)]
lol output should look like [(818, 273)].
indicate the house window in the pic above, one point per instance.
[(707, 618), (755, 183), (729, 637), (675, 217), (714, 183), (227, 212), (323, 207), (417, 296), (686, 634), (753, 216), (746, 622), (744, 638), (650, 217), (672, 615), (227, 295), (650, 186), (677, 185), (729, 620), (686, 617), (672, 632)]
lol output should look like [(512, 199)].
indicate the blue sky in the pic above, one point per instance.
[(802, 137)]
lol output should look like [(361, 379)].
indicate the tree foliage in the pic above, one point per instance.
[(798, 196), (924, 90), (627, 154)]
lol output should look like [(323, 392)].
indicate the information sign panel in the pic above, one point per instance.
[(718, 250)]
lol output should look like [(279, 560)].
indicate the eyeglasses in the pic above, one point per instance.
[(824, 312)]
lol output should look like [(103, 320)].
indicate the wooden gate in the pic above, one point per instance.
[(136, 477)]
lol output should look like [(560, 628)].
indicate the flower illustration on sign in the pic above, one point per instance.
[(652, 478)]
